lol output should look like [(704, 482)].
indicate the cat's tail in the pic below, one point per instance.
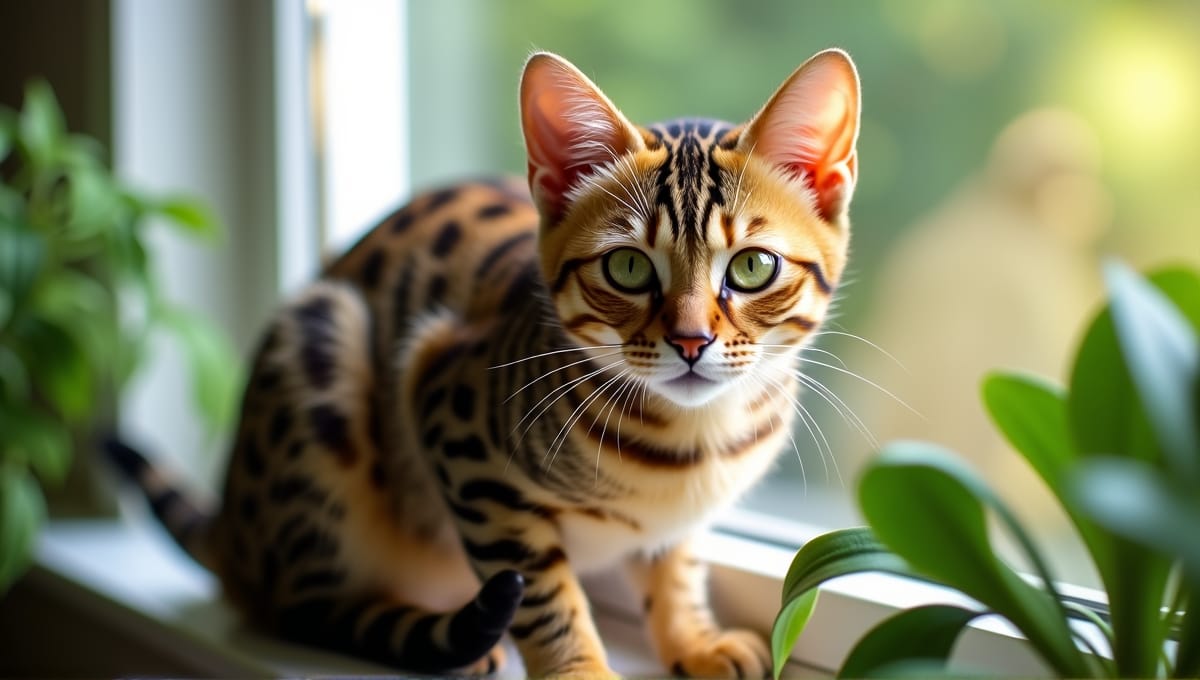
[(410, 637), (184, 517)]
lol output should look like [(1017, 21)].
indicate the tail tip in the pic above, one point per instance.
[(124, 457), (502, 592)]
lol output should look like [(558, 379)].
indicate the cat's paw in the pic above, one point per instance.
[(731, 654), (488, 664)]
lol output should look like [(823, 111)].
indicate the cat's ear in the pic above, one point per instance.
[(809, 129), (570, 128)]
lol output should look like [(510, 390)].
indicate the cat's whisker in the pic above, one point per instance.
[(737, 192), (867, 342), (617, 198), (579, 348), (564, 432), (872, 383), (556, 370), (847, 415), (612, 403), (825, 352), (562, 391), (780, 389)]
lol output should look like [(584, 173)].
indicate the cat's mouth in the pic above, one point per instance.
[(690, 380)]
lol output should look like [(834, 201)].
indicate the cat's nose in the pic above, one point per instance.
[(690, 346)]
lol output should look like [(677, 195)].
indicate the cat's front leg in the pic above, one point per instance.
[(553, 626), (682, 626)]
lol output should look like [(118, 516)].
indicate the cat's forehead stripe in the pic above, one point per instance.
[(689, 181)]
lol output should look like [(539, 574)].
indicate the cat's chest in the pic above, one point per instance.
[(665, 507)]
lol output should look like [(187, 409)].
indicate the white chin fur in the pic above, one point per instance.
[(689, 395)]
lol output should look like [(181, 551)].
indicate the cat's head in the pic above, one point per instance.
[(697, 255)]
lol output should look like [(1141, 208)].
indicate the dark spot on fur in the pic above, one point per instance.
[(402, 221), (447, 238), (294, 450), (319, 578), (432, 436), (268, 379), (440, 198), (317, 341), (432, 401), (332, 430), (249, 508), (252, 457), (494, 210), (336, 511), (281, 423), (437, 289), (378, 475), (463, 401), (372, 268), (296, 487), (270, 569), (312, 543), (489, 261), (442, 475), (471, 447)]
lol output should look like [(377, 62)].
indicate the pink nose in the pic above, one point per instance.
[(690, 346)]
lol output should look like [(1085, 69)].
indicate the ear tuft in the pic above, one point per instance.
[(809, 129), (570, 129)]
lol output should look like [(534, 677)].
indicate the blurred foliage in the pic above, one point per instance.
[(940, 79), (78, 303), (1119, 449)]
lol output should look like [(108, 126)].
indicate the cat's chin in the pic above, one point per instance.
[(689, 390)]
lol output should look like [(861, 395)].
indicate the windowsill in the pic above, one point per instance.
[(129, 578)]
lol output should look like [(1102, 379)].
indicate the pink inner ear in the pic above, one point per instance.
[(810, 126), (570, 128)]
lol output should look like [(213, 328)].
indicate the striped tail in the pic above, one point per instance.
[(409, 637), (182, 517)]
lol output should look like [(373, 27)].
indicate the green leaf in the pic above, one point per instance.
[(22, 509), (22, 257), (41, 127), (213, 365), (1136, 501), (826, 557), (1032, 415), (838, 553), (95, 203), (7, 132), (927, 507), (923, 633), (191, 214), (1162, 354), (62, 369), (790, 622), (1187, 660), (13, 377), (38, 440)]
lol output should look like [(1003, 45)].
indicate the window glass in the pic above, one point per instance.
[(1004, 148)]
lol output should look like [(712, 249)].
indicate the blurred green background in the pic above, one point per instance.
[(976, 242)]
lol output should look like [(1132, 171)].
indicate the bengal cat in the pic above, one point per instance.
[(509, 388)]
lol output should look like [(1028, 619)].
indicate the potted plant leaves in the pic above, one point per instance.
[(78, 302), (1119, 447)]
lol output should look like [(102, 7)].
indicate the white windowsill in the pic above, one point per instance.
[(130, 577)]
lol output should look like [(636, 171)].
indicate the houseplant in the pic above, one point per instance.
[(78, 301), (1119, 447)]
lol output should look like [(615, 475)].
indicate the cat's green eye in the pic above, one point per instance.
[(629, 270), (752, 270)]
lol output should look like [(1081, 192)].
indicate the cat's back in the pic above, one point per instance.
[(462, 247)]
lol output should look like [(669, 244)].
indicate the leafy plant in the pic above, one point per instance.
[(1119, 449), (78, 302)]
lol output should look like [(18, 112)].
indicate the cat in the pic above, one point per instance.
[(500, 387)]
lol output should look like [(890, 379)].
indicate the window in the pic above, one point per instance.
[(1003, 148)]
